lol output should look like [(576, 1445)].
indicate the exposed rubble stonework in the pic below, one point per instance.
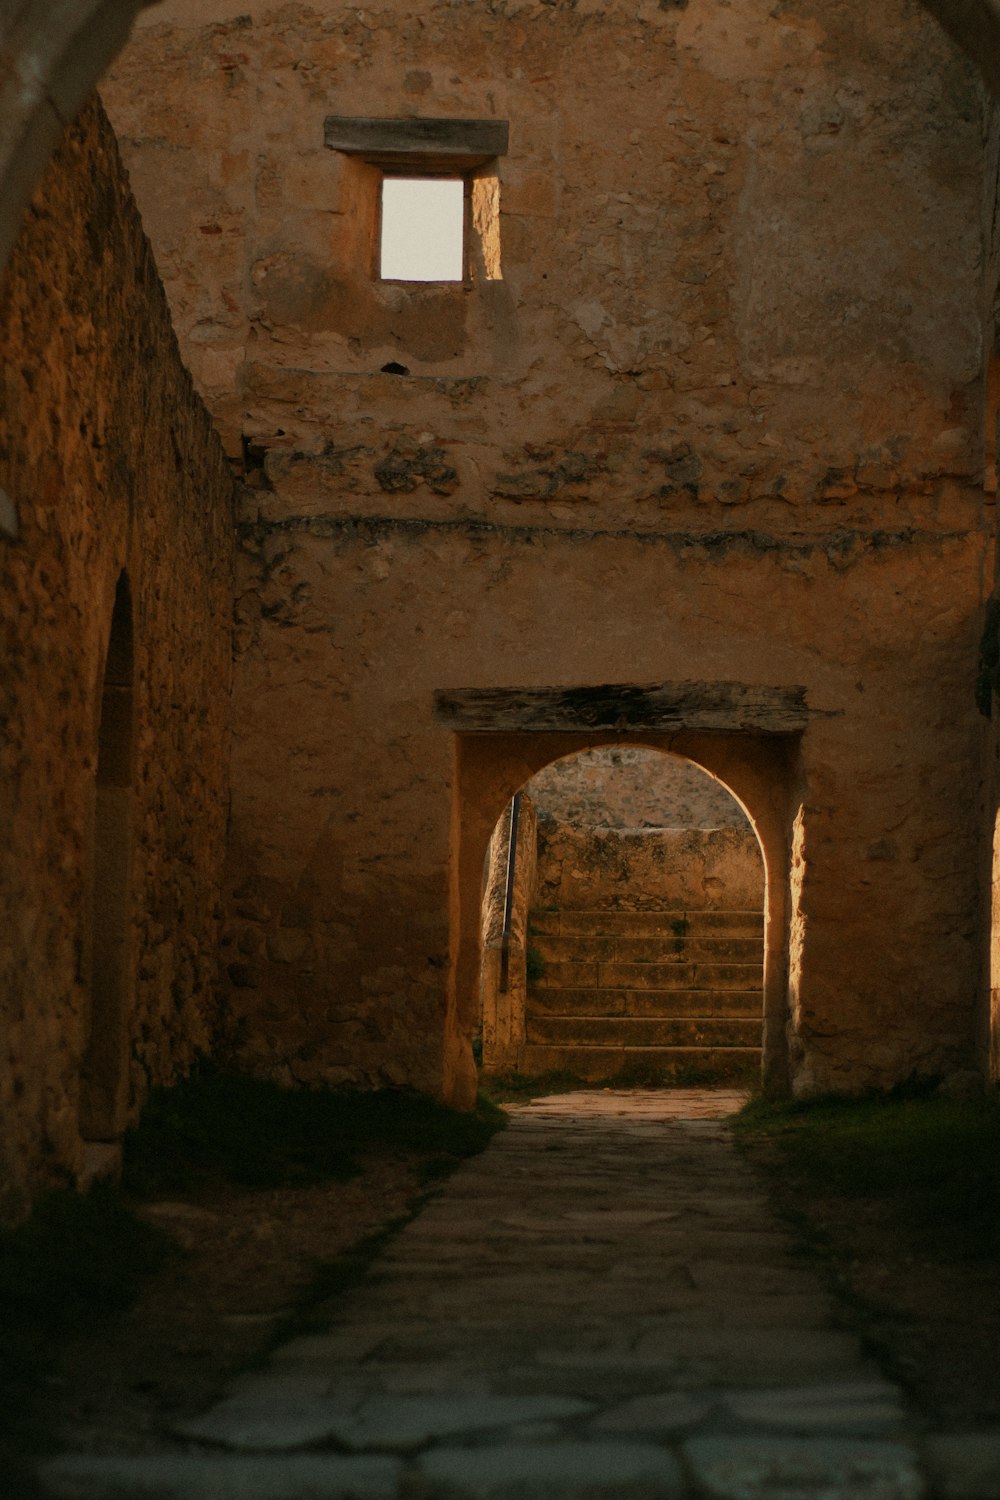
[(708, 407), (112, 800), (630, 788), (648, 869), (700, 454)]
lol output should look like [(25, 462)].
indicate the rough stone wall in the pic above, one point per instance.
[(721, 419), (706, 281), (633, 788), (988, 1021), (502, 1005), (108, 461), (652, 869)]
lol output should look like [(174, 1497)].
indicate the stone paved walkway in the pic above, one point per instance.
[(600, 1307)]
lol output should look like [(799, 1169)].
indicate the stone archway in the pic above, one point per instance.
[(108, 915), (757, 764), (51, 57), (623, 923)]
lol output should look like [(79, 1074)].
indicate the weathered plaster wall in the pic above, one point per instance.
[(107, 461), (721, 420), (633, 788), (775, 349), (342, 867)]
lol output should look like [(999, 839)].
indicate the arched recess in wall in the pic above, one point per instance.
[(51, 57), (760, 770), (991, 416), (623, 921), (108, 913)]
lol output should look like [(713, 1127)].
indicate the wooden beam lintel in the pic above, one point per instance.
[(424, 143), (626, 708)]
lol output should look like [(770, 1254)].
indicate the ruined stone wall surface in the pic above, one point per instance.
[(988, 1020), (502, 1005), (720, 419), (341, 852), (723, 230), (107, 461), (652, 869), (633, 788)]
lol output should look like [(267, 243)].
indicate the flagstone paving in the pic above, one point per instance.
[(600, 1307)]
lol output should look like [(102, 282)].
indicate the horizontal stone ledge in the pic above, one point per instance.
[(620, 707), (714, 545), (459, 144)]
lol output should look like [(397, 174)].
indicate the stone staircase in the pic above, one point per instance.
[(644, 992)]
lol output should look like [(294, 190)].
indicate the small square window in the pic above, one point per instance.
[(422, 229)]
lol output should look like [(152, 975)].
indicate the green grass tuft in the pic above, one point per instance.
[(515, 1088), (936, 1161), (254, 1133), (78, 1258), (639, 1073)]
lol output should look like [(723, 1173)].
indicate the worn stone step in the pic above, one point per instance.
[(723, 976), (656, 976), (643, 1031), (646, 948), (734, 923), (742, 1004), (595, 1063)]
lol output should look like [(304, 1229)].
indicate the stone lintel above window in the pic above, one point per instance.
[(423, 145)]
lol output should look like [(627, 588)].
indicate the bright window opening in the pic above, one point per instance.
[(423, 229)]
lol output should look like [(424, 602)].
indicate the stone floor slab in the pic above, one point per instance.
[(752, 1468), (265, 1422), (597, 1306), (665, 1414), (409, 1422), (265, 1419), (171, 1476), (552, 1471), (965, 1466), (850, 1406)]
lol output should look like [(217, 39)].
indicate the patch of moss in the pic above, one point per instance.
[(515, 1088), (255, 1133), (534, 964), (935, 1161), (640, 1073)]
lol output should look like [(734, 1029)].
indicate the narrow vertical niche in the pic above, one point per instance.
[(103, 1092), (991, 423), (995, 956)]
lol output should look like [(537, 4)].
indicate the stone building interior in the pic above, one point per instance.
[(683, 464)]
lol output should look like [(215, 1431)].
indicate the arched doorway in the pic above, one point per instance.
[(759, 767), (108, 916), (623, 925)]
